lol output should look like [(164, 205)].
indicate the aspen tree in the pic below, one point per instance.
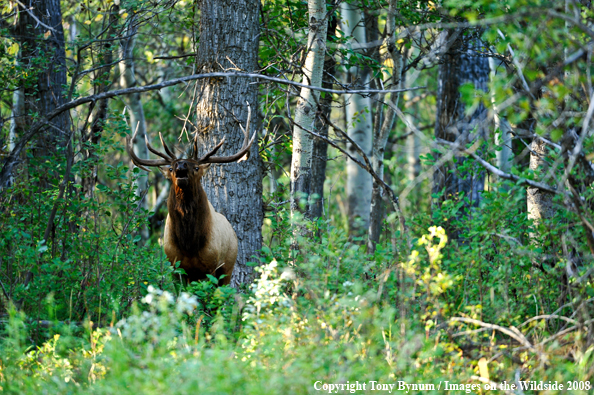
[(305, 112), (359, 126)]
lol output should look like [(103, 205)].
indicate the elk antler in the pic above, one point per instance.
[(141, 163), (247, 143), (169, 157)]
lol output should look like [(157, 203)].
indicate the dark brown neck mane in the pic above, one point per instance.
[(190, 217)]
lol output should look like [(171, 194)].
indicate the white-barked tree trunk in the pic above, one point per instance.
[(359, 126), (305, 112)]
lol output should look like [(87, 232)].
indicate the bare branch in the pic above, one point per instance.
[(174, 57), (511, 332), (498, 172), (12, 158), (32, 15)]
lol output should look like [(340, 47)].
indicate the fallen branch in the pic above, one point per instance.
[(511, 332), (548, 317)]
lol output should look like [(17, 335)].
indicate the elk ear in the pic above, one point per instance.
[(205, 167), (165, 172)]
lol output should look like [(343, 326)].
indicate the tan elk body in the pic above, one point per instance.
[(197, 236)]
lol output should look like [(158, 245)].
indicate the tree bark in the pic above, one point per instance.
[(359, 127), (305, 112), (539, 202), (447, 112), (229, 31), (474, 69), (320, 147), (459, 66), (43, 53)]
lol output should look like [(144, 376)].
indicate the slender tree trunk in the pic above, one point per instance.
[(539, 203), (359, 127), (413, 152), (229, 31), (320, 147), (17, 119), (43, 53), (135, 114), (503, 137), (305, 112), (381, 135), (274, 173)]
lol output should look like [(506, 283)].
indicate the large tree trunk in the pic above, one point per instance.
[(474, 69), (45, 57), (228, 40), (136, 114), (447, 112), (305, 112), (459, 66), (359, 127)]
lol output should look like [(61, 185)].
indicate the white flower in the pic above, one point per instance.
[(186, 303), (168, 297), (148, 299)]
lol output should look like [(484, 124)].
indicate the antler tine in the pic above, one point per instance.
[(154, 151), (169, 152), (247, 125), (141, 163), (195, 153), (244, 148), (205, 157)]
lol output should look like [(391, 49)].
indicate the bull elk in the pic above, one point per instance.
[(197, 236)]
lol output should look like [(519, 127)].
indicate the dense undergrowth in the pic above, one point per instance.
[(326, 313), (98, 312)]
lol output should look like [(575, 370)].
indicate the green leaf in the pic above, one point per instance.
[(556, 134)]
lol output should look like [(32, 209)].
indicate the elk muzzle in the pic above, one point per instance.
[(181, 174)]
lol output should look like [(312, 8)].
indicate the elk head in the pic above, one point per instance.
[(185, 173)]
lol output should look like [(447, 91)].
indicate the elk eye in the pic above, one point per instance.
[(196, 168), (171, 169)]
